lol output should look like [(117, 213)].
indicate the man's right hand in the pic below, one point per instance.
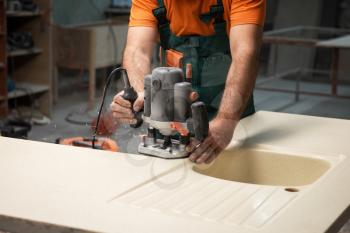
[(122, 110)]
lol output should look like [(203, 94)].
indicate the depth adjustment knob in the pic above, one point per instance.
[(157, 84)]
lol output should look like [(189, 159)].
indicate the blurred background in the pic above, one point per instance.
[(55, 56)]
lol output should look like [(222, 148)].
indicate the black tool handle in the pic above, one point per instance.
[(200, 121), (131, 95)]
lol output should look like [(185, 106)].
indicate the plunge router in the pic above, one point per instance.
[(171, 116)]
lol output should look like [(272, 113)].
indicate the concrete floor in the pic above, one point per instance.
[(270, 101)]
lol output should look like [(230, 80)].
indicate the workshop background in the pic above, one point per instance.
[(55, 56)]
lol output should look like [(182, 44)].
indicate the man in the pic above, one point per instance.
[(219, 40)]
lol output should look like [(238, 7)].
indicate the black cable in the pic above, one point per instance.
[(111, 75)]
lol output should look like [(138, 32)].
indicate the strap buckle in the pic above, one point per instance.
[(160, 13), (217, 12)]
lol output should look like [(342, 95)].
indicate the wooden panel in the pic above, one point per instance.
[(71, 47), (110, 47), (89, 46)]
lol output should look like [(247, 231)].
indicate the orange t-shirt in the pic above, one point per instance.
[(184, 14)]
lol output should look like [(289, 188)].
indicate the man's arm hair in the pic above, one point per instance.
[(138, 54), (245, 43)]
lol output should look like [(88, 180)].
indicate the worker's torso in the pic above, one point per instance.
[(208, 54), (184, 16)]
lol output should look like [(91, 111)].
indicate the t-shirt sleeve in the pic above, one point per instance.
[(248, 12), (141, 13)]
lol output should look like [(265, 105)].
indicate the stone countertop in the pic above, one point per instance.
[(49, 188)]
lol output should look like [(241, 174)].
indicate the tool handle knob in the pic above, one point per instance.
[(131, 95), (200, 121), (129, 92), (139, 120)]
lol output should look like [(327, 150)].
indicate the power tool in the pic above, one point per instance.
[(171, 117)]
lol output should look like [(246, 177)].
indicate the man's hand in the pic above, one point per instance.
[(122, 110), (137, 61), (220, 135), (245, 42)]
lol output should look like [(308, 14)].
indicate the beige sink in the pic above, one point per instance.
[(265, 167)]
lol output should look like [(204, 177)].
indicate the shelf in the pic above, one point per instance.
[(26, 89), (118, 11), (31, 65), (20, 14), (24, 52)]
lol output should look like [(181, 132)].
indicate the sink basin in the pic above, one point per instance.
[(264, 167)]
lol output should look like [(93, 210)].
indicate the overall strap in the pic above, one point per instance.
[(163, 24), (216, 12), (160, 13), (160, 3)]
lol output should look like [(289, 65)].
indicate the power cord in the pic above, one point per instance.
[(110, 77)]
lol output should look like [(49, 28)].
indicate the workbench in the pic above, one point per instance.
[(89, 46), (301, 37), (336, 45), (54, 188)]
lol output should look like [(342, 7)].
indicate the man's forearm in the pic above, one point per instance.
[(138, 54), (239, 85), (137, 63)]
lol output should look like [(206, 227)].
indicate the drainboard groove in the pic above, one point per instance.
[(143, 198), (270, 208), (137, 187), (215, 200), (158, 196), (137, 194), (169, 198), (189, 196), (197, 199), (239, 215), (237, 199)]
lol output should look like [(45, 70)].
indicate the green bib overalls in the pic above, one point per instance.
[(209, 56)]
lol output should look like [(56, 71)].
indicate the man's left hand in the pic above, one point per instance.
[(220, 135)]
